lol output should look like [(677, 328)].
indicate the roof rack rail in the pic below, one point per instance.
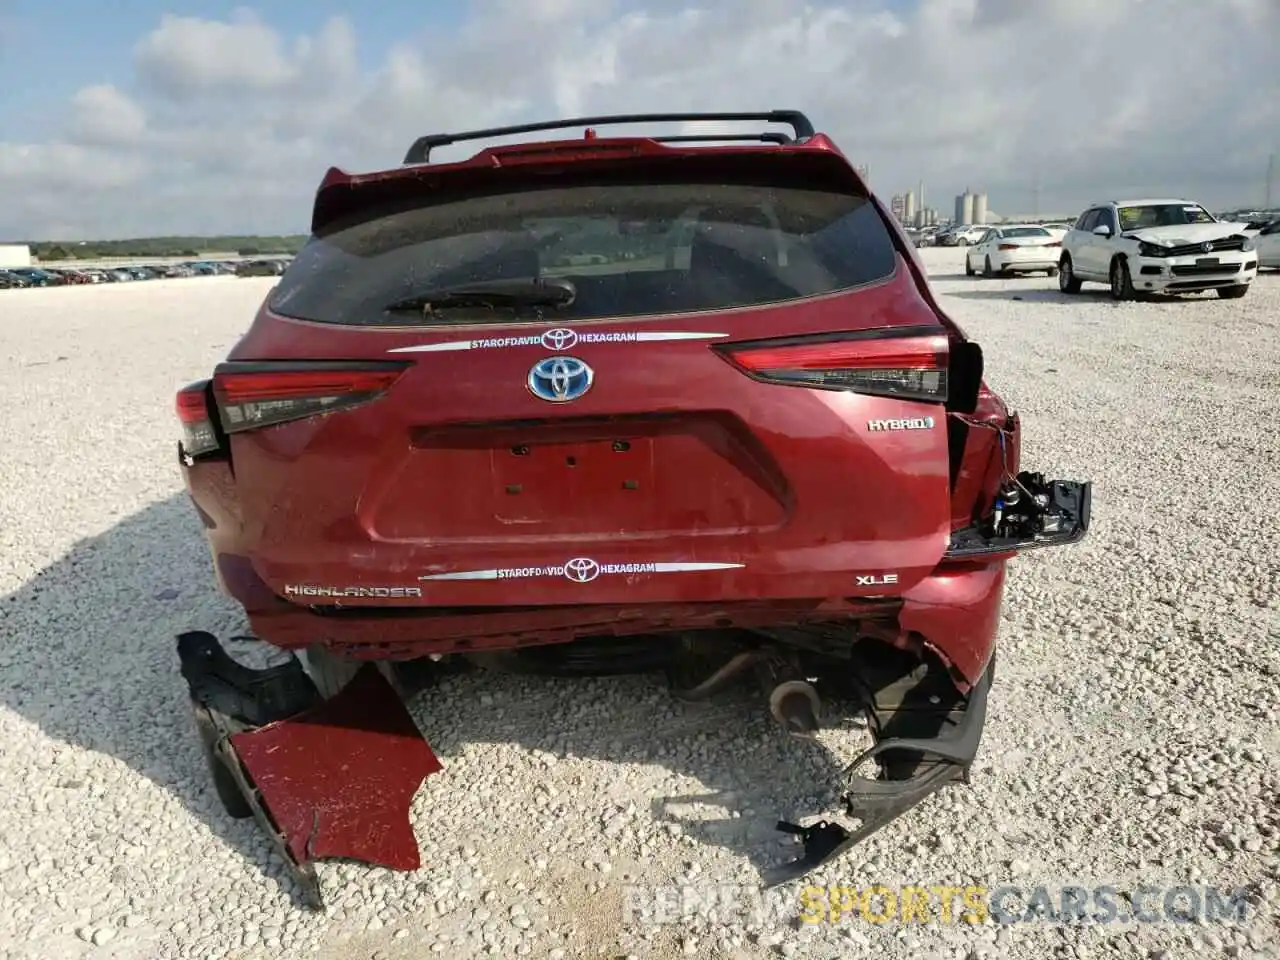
[(767, 136), (420, 152)]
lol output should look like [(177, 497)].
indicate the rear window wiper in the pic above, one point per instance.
[(495, 294)]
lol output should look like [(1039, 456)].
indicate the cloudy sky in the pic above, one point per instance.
[(146, 117)]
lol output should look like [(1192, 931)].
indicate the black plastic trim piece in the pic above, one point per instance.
[(875, 333), (303, 366), (766, 137), (876, 803)]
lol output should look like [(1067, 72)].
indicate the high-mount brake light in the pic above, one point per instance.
[(888, 365), (198, 434), (252, 395)]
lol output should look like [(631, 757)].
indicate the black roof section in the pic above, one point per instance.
[(420, 152)]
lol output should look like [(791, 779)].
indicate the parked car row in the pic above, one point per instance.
[(43, 276), (954, 235)]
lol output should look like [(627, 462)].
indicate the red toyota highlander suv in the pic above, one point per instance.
[(614, 403)]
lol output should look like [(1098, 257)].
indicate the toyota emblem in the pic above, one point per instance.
[(1206, 247), (559, 339), (581, 570), (560, 379)]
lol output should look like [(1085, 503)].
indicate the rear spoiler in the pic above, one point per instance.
[(345, 198)]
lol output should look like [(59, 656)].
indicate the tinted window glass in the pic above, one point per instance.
[(1025, 232), (1088, 221), (629, 249)]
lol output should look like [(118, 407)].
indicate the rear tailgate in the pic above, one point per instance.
[(745, 401)]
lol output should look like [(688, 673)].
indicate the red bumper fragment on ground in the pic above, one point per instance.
[(338, 779)]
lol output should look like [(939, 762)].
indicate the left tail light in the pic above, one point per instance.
[(884, 363), (250, 395), (199, 437)]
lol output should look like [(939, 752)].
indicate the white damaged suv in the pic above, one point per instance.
[(1157, 246)]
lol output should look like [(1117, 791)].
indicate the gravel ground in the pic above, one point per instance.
[(1133, 739)]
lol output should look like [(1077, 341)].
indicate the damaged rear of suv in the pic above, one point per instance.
[(602, 405)]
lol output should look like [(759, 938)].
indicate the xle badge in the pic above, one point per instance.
[(878, 581), (915, 423)]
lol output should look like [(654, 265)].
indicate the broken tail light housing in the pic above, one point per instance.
[(880, 363), (246, 396)]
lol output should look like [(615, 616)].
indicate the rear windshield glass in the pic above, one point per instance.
[(1025, 232), (630, 250)]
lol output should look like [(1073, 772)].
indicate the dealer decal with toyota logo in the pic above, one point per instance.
[(561, 338), (580, 570)]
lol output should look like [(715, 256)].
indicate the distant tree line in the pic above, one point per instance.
[(191, 247)]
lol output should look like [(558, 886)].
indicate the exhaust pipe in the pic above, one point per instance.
[(793, 701), (796, 705)]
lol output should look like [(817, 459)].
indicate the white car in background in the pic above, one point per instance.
[(967, 236), (1268, 241), (1157, 246), (1014, 248)]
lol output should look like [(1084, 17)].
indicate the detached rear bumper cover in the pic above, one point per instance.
[(324, 778)]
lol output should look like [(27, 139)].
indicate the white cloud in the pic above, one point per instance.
[(189, 57), (229, 125), (103, 116)]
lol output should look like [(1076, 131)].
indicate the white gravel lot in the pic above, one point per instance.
[(1133, 738)]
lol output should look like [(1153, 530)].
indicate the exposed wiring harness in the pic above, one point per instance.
[(1006, 477)]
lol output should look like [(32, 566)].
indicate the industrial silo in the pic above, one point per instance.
[(910, 212), (979, 208), (966, 202)]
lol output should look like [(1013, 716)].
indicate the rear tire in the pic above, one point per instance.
[(968, 267), (986, 268), (1233, 292), (1067, 280)]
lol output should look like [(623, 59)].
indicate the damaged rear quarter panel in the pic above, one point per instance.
[(957, 610)]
